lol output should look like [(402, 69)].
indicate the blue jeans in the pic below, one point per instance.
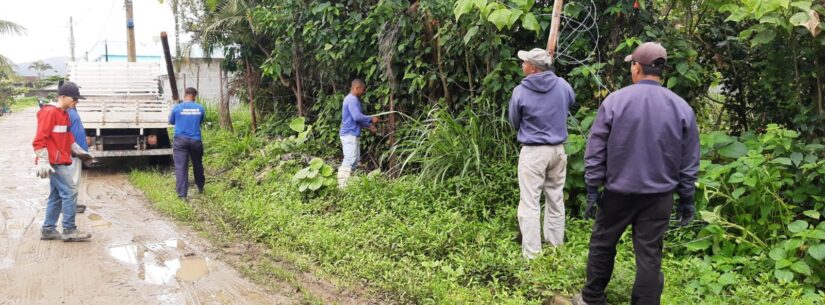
[(62, 197), (352, 153)]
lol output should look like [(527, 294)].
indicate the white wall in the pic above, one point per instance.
[(203, 76)]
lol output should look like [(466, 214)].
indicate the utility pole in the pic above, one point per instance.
[(555, 24), (130, 32), (71, 36), (106, 49)]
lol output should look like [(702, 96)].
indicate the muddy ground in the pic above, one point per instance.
[(135, 256)]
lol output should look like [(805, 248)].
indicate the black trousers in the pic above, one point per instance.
[(184, 149), (648, 215)]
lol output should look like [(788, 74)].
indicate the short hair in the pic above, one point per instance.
[(359, 82), (191, 91), (654, 69)]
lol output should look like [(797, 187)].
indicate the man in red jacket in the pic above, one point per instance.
[(54, 147)]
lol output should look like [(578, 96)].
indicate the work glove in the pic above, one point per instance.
[(592, 202), (78, 151), (685, 211), (42, 167)]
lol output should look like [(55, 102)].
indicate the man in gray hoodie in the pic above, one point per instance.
[(538, 110)]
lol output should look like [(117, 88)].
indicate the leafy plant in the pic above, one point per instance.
[(314, 177)]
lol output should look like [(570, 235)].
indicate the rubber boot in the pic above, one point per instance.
[(343, 175)]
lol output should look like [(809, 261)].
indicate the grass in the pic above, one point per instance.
[(417, 243), (23, 104), (441, 242)]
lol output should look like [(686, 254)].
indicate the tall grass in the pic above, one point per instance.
[(445, 145)]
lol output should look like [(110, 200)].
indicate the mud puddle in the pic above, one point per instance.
[(135, 256), (153, 264)]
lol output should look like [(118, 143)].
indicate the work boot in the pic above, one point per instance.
[(75, 235), (578, 300), (343, 176), (49, 234), (81, 208)]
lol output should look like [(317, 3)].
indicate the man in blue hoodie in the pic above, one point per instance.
[(352, 120), (79, 133), (187, 118), (643, 147), (538, 110)]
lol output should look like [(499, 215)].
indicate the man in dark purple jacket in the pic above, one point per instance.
[(643, 146)]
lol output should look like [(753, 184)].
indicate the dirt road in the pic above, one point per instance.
[(135, 256)]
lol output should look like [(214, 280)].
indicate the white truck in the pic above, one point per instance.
[(123, 113)]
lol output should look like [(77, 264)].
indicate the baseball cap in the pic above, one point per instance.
[(647, 53), (70, 89), (538, 57)]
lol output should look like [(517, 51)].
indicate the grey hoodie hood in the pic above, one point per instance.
[(540, 82), (538, 109)]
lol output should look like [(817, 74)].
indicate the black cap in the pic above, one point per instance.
[(70, 89)]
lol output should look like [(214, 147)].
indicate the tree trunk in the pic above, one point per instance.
[(296, 67), (251, 95), (223, 108), (392, 128)]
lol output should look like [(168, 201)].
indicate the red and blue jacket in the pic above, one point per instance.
[(53, 134)]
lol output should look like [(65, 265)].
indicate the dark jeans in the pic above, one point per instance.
[(649, 215), (184, 148)]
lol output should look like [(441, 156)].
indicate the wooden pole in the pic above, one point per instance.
[(130, 32), (173, 85), (555, 24)]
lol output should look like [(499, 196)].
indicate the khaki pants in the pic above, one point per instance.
[(541, 168)]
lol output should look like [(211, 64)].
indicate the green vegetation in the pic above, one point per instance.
[(24, 103), (452, 241), (434, 220)]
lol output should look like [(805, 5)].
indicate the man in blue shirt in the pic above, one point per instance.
[(352, 120), (79, 133), (187, 118)]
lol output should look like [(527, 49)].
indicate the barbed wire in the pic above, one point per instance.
[(571, 31)]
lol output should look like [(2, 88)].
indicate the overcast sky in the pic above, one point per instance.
[(47, 23)]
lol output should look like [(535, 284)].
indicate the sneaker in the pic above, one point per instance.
[(75, 235), (49, 234), (578, 300), (81, 208)]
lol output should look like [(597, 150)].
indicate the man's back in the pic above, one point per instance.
[(187, 118), (538, 109), (647, 132)]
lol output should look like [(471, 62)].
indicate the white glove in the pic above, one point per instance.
[(43, 168), (77, 151)]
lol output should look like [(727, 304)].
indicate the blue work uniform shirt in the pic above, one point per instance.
[(187, 118), (352, 120), (76, 127)]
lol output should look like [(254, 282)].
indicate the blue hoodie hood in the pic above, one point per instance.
[(538, 109)]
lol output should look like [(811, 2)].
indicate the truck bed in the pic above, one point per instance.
[(99, 112)]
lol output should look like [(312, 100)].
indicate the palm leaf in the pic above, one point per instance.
[(11, 28)]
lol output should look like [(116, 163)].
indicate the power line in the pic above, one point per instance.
[(105, 26)]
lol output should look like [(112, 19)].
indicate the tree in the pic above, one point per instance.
[(9, 28), (40, 67)]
